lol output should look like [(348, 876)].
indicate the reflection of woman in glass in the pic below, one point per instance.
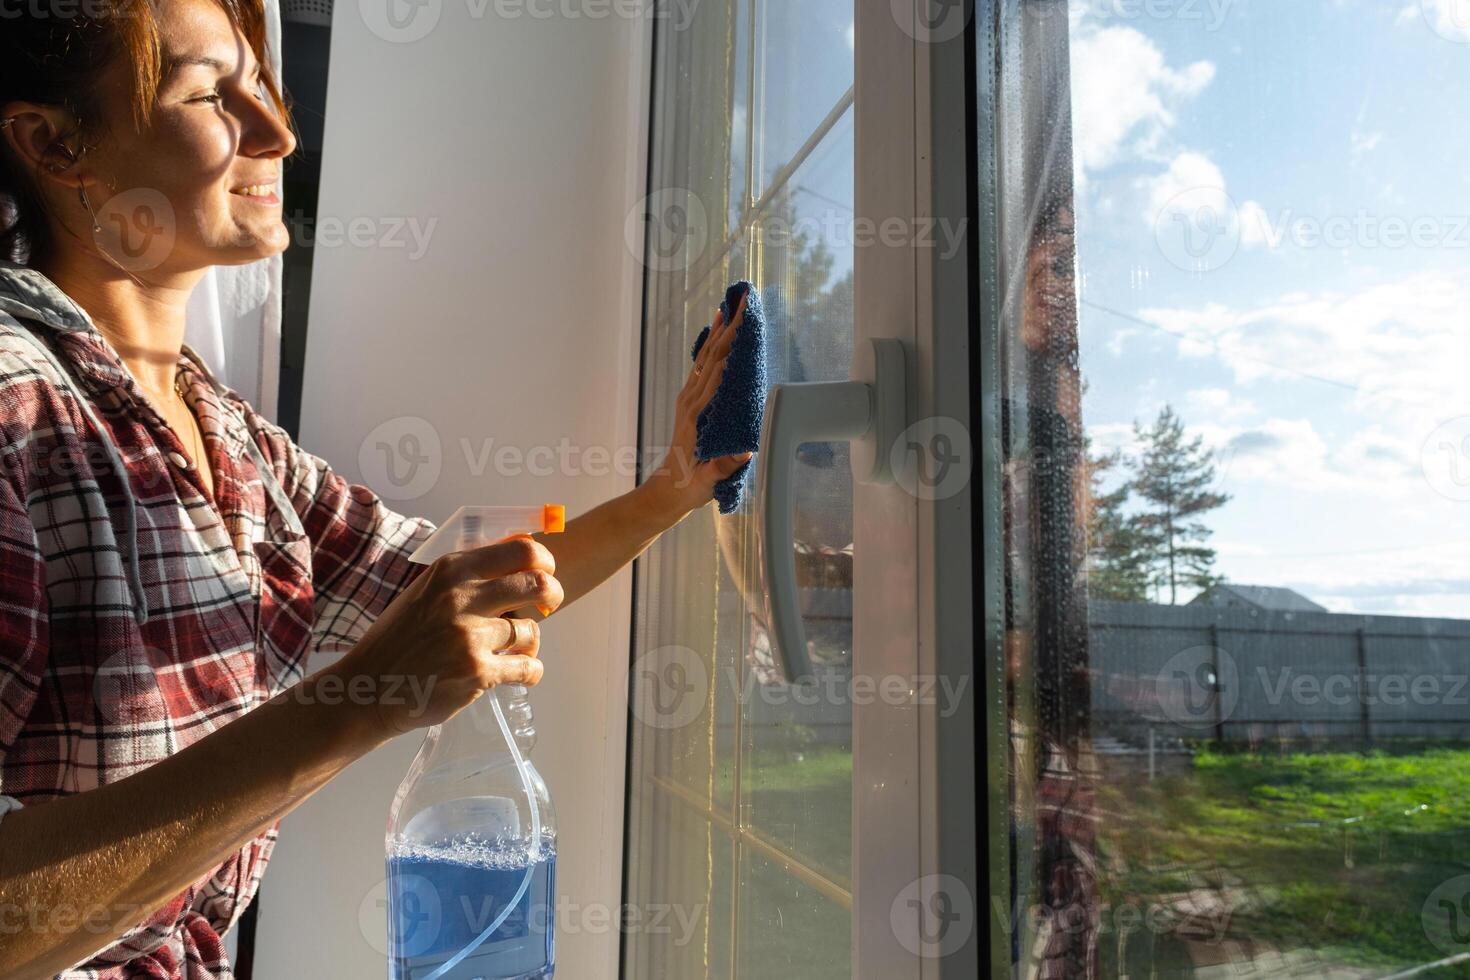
[(1046, 644)]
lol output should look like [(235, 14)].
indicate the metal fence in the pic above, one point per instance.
[(1233, 675)]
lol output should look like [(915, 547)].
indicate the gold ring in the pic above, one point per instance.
[(521, 634)]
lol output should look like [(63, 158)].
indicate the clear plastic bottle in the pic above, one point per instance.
[(471, 844)]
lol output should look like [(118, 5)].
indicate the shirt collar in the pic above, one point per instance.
[(26, 292), (29, 295)]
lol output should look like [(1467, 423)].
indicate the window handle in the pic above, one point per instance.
[(870, 414)]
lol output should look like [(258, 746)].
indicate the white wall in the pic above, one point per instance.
[(521, 138)]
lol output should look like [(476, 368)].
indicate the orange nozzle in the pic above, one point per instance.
[(553, 518)]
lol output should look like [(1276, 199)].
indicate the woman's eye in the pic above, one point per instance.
[(208, 97)]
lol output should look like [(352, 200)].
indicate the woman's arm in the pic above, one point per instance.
[(600, 542), (78, 872), (597, 544)]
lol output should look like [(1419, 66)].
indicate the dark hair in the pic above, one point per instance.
[(54, 53)]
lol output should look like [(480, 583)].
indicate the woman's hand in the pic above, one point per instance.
[(683, 482), (444, 640)]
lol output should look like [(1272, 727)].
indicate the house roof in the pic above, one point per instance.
[(1262, 596)]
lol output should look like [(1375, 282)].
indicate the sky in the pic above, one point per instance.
[(1273, 232)]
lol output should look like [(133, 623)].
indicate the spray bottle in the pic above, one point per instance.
[(471, 844)]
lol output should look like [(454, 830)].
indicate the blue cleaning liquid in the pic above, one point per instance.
[(441, 897)]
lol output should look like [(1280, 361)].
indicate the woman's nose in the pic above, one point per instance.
[(264, 133)]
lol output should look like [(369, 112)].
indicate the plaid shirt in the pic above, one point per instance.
[(137, 616)]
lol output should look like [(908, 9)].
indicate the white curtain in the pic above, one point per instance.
[(234, 315)]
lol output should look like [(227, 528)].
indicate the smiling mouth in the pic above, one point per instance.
[(256, 192)]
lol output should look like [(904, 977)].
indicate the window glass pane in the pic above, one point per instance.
[(798, 739), (1235, 439), (805, 59), (789, 928), (740, 785)]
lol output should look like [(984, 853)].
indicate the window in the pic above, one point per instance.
[(1233, 430), (740, 789)]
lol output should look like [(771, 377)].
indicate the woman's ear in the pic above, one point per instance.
[(43, 140)]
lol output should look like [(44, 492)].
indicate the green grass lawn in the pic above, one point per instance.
[(1335, 856), (1330, 857), (800, 797)]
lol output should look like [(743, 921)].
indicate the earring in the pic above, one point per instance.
[(5, 123), (82, 193)]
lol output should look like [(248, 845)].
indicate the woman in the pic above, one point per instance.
[(168, 558)]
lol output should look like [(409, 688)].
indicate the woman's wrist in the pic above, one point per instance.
[(663, 501)]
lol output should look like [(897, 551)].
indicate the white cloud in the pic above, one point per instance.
[(1192, 174), (1280, 452), (1448, 18), (1255, 226), (1109, 436), (1193, 191), (1218, 403), (1123, 90), (1384, 363), (1401, 344), (1364, 143)]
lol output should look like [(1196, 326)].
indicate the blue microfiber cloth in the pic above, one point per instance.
[(731, 422)]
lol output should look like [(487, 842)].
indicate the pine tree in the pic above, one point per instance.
[(1117, 548), (1173, 478)]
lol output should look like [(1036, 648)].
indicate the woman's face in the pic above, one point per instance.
[(204, 173)]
